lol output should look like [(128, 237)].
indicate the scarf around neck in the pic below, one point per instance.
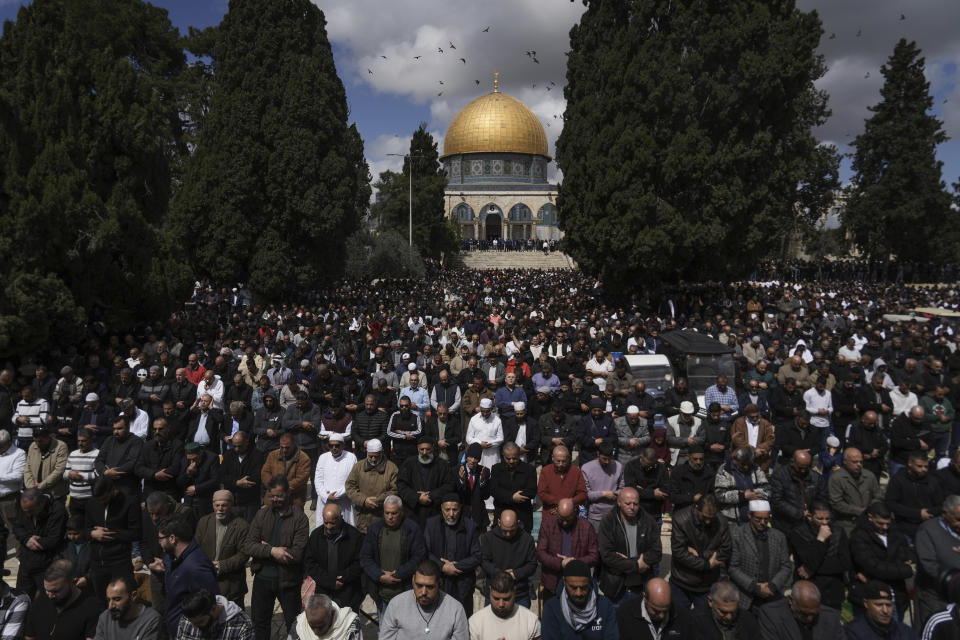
[(578, 618)]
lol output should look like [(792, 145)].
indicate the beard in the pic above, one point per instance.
[(427, 459)]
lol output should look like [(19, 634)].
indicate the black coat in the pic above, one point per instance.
[(473, 497), (715, 433), (50, 526), (782, 405), (908, 496), (369, 426), (204, 480), (704, 627), (123, 517), (504, 483), (518, 553), (685, 483), (214, 427), (905, 438), (644, 481), (612, 544), (411, 479), (465, 553), (231, 470), (789, 500), (549, 429), (453, 434), (153, 459), (828, 561), (866, 440), (316, 564), (886, 563), (792, 438), (532, 445), (678, 623)]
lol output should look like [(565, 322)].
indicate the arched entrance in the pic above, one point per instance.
[(493, 222), (493, 226)]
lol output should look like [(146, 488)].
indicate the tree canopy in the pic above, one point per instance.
[(687, 149), (898, 203), (90, 137), (278, 180), (431, 233)]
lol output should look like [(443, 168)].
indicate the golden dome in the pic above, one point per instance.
[(495, 123)]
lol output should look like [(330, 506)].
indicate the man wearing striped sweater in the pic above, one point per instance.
[(31, 414), (80, 472)]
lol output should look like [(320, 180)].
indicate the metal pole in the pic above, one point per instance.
[(410, 169)]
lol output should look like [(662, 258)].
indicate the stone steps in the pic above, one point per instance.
[(516, 260)]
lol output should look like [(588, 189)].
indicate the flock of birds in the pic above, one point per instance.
[(532, 55)]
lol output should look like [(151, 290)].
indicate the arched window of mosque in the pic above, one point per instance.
[(520, 213), (548, 215), (464, 212)]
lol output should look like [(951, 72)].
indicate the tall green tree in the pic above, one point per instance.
[(431, 233), (898, 203), (686, 149), (278, 180), (90, 137)]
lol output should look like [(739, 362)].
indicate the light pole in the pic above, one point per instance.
[(410, 158)]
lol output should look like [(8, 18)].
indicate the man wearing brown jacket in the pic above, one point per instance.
[(754, 431), (276, 541), (370, 481), (46, 462), (220, 535), (290, 462)]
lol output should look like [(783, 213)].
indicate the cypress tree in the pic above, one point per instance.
[(431, 233), (898, 203), (686, 149), (278, 180), (90, 135)]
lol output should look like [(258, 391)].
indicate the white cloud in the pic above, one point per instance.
[(364, 30)]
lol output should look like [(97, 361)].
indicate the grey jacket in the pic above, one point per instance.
[(625, 433), (744, 563), (849, 496)]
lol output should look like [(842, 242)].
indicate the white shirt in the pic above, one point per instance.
[(903, 402), (12, 463), (848, 353), (331, 477), (215, 390), (486, 430), (522, 624), (605, 366), (815, 402), (753, 432), (141, 424)]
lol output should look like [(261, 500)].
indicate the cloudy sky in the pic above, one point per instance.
[(404, 90)]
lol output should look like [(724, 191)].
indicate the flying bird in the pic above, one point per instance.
[(384, 57), (535, 60), (903, 17), (417, 57), (945, 100), (859, 32), (463, 60), (534, 85), (548, 88), (554, 116), (370, 72), (439, 50), (529, 54), (487, 30), (451, 46), (867, 75), (553, 83), (478, 82), (441, 82), (440, 94), (833, 36)]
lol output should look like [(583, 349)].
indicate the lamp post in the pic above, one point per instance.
[(410, 158)]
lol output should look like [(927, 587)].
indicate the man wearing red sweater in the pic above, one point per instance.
[(559, 481)]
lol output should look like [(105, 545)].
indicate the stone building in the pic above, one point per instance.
[(496, 157)]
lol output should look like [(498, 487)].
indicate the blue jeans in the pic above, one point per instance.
[(940, 442)]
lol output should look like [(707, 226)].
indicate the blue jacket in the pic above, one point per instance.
[(604, 627), (190, 571), (413, 549)]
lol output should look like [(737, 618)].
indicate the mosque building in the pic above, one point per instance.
[(496, 157)]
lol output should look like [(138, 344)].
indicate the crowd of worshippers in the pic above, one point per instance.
[(480, 437)]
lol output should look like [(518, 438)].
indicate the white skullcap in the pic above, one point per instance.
[(412, 367), (759, 505), (519, 406), (833, 441), (405, 356), (486, 403), (374, 446), (686, 407), (91, 397), (633, 409), (336, 437)]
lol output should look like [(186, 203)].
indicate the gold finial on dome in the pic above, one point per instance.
[(496, 82)]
